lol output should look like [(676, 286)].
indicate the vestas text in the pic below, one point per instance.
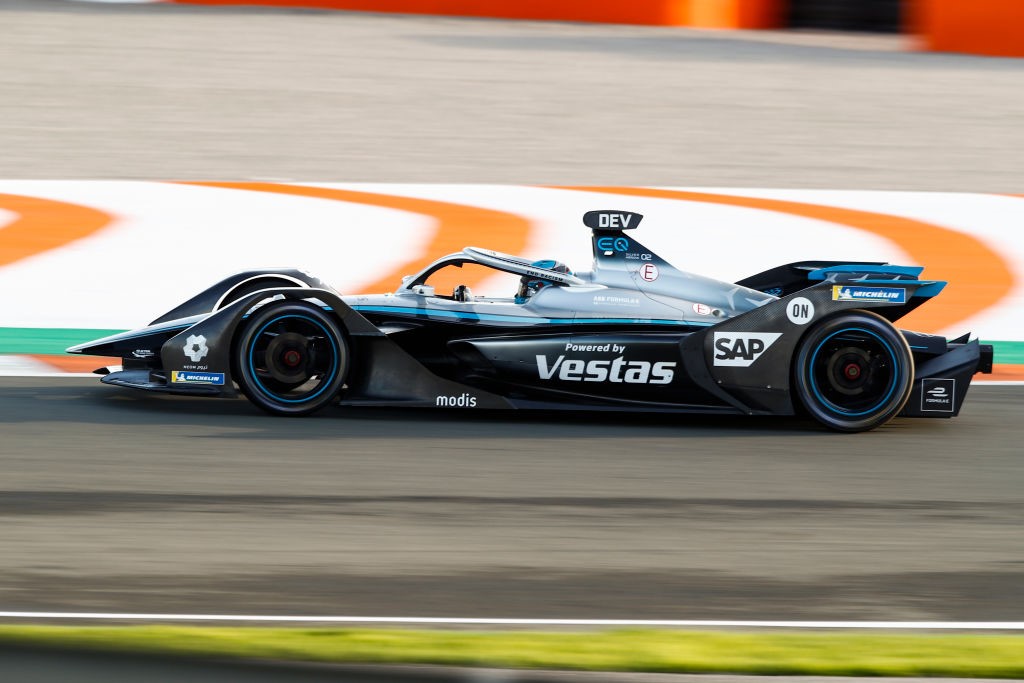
[(616, 370)]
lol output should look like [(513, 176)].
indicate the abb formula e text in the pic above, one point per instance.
[(633, 333)]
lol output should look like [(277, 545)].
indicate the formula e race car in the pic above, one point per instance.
[(812, 338)]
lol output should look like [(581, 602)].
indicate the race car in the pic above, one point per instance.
[(812, 338)]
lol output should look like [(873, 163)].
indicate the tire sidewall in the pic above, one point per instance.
[(902, 358), (252, 387)]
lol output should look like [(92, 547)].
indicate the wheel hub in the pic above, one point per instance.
[(288, 356), (849, 370)]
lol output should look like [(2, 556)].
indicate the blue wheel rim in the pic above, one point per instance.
[(894, 380), (328, 378)]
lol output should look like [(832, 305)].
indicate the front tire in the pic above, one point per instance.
[(291, 359), (853, 372)]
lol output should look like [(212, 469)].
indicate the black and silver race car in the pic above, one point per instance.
[(634, 333)]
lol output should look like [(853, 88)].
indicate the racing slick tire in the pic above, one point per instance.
[(853, 372), (291, 358)]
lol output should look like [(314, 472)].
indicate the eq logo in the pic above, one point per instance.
[(741, 349), (607, 244), (800, 311)]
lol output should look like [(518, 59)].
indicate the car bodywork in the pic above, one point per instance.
[(634, 333)]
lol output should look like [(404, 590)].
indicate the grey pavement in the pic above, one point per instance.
[(118, 501)]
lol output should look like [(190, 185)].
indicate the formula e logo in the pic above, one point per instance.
[(463, 401), (741, 349), (937, 395), (617, 370), (195, 347), (895, 295), (619, 244)]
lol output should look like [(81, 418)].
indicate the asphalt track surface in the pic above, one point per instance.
[(168, 92), (116, 500)]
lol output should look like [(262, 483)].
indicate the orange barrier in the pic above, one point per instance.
[(983, 27), (696, 13)]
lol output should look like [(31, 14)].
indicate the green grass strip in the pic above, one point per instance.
[(821, 654), (1008, 352), (46, 340)]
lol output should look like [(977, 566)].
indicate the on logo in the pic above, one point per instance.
[(741, 349), (800, 311)]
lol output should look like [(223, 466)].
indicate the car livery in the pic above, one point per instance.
[(634, 333)]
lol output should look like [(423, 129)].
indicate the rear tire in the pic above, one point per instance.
[(291, 359), (853, 372)]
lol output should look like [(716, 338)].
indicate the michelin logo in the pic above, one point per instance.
[(893, 295), (185, 377)]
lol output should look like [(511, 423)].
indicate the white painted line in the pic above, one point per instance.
[(689, 623)]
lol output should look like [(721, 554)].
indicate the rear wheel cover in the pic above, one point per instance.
[(853, 372), (291, 359)]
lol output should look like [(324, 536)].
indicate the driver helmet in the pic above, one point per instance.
[(530, 285)]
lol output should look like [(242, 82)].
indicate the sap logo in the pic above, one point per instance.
[(619, 244), (463, 401), (618, 370), (741, 349)]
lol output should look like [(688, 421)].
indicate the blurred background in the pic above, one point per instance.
[(113, 501)]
